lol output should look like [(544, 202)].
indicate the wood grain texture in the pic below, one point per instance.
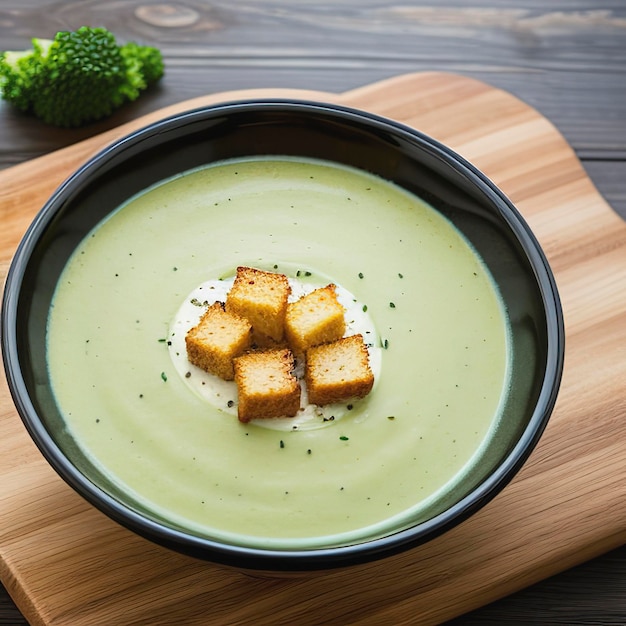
[(65, 563), (565, 58)]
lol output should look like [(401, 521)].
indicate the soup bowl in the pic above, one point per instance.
[(314, 191)]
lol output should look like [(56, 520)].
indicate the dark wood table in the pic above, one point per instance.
[(566, 58)]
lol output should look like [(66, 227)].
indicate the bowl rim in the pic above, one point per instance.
[(299, 559)]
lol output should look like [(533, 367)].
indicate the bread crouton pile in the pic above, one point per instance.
[(256, 335)]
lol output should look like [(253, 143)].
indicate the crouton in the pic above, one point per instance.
[(260, 297), (338, 371), (217, 339), (314, 319), (266, 385)]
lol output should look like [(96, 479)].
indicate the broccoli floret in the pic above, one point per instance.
[(78, 77)]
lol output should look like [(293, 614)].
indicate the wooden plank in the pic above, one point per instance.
[(566, 506), (609, 177), (533, 52)]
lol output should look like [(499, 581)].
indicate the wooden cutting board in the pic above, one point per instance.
[(65, 563)]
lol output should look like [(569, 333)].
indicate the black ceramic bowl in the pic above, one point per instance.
[(320, 131)]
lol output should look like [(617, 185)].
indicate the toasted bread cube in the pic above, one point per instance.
[(338, 371), (217, 339), (314, 319), (266, 385), (260, 297)]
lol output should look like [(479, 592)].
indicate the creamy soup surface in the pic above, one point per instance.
[(442, 353)]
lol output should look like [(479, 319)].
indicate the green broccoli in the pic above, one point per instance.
[(78, 77)]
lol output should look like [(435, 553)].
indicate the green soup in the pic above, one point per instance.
[(441, 329)]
